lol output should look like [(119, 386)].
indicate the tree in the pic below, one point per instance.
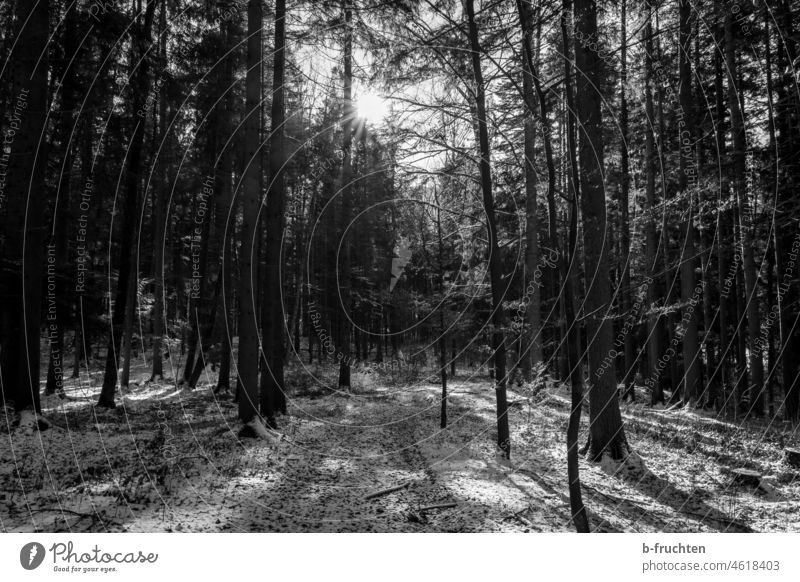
[(606, 431), (344, 205), (531, 352), (651, 236), (273, 397), (22, 241), (160, 203), (624, 202), (248, 357), (140, 87), (687, 184), (495, 266), (747, 238)]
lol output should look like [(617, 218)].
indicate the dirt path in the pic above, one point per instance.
[(168, 460)]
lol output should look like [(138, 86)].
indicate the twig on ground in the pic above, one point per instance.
[(386, 491), (438, 506)]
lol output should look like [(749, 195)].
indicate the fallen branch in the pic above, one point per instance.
[(63, 510), (438, 506), (386, 491), (524, 520), (746, 477)]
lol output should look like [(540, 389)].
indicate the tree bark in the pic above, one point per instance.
[(22, 221), (607, 435), (343, 280), (746, 228), (141, 87), (687, 184), (248, 357), (495, 266), (531, 349), (625, 234), (160, 203), (651, 244), (579, 516), (273, 395), (787, 118)]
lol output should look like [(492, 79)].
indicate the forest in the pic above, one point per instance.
[(410, 265)]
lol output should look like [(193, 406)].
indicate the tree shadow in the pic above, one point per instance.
[(688, 504)]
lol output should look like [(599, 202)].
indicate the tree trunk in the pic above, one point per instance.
[(224, 210), (687, 184), (724, 230), (141, 87), (788, 114), (273, 396), (442, 329), (61, 212), (531, 349), (247, 382), (651, 235), (495, 266), (160, 202), (579, 516), (625, 236), (22, 220), (746, 228), (607, 435), (343, 280), (127, 333)]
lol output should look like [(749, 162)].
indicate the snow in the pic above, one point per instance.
[(259, 430), (170, 460)]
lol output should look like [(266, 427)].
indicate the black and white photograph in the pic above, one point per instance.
[(399, 266)]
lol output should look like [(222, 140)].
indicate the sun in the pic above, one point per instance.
[(371, 107)]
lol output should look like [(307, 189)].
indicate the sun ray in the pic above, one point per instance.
[(371, 107)]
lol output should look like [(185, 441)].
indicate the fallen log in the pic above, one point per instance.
[(746, 477), (387, 491), (438, 506)]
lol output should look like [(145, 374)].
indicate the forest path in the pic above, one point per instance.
[(342, 448), (170, 460)]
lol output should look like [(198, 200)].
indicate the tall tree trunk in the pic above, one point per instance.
[(687, 184), (21, 222), (607, 435), (140, 85), (572, 176), (625, 232), (670, 272), (771, 257), (746, 228), (531, 352), (160, 202), (567, 271), (343, 280), (247, 382), (224, 210), (495, 265), (273, 396), (441, 309), (724, 229), (651, 235), (61, 212), (579, 516), (788, 118)]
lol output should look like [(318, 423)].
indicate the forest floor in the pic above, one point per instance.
[(170, 460)]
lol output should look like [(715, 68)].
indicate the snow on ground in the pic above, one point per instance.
[(169, 460)]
